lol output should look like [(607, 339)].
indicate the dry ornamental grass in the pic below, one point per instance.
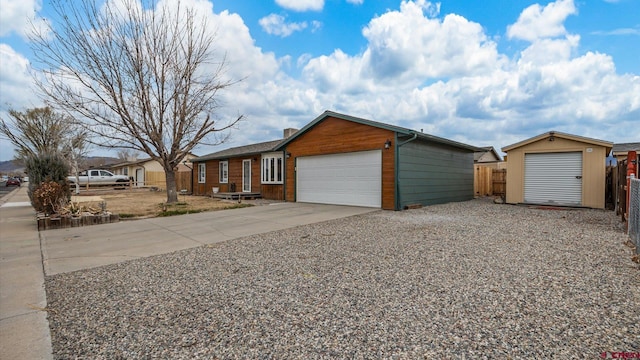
[(146, 203)]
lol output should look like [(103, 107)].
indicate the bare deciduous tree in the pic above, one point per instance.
[(142, 76), (42, 131)]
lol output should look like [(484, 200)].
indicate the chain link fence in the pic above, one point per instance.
[(634, 213)]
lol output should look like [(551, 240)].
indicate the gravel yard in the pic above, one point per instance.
[(463, 280)]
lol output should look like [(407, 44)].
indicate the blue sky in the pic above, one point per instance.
[(489, 74), (596, 22)]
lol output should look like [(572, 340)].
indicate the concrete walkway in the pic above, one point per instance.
[(24, 328), (26, 255)]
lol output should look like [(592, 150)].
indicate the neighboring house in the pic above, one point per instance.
[(488, 154), (148, 172), (555, 168), (345, 160), (620, 151)]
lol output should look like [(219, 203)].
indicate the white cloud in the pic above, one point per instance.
[(355, 2), (275, 24), (15, 80), (16, 90), (20, 17), (537, 22), (546, 51), (618, 32), (316, 25), (301, 5), (232, 42), (407, 48)]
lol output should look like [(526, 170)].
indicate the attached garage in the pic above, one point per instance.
[(345, 160), (353, 178), (557, 169)]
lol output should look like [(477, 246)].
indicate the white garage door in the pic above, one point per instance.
[(553, 178), (342, 179)]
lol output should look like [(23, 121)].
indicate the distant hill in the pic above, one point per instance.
[(11, 166), (100, 161)]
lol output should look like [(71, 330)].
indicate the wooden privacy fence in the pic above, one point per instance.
[(489, 182), (158, 180), (183, 181), (499, 181)]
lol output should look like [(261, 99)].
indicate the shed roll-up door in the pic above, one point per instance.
[(553, 178), (342, 179)]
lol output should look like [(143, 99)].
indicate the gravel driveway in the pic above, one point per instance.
[(462, 280)]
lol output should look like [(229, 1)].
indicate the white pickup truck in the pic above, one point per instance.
[(99, 177)]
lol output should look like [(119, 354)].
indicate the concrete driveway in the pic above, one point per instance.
[(72, 249)]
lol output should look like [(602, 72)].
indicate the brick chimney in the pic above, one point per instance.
[(288, 132)]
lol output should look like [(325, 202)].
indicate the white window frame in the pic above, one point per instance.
[(246, 175), (270, 172), (223, 172), (202, 173)]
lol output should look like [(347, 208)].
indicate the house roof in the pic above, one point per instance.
[(478, 154), (139, 161), (240, 151), (623, 149), (558, 134), (397, 129), (133, 162)]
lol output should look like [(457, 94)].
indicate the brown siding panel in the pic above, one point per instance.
[(272, 192)]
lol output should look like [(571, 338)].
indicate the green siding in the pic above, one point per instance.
[(431, 173)]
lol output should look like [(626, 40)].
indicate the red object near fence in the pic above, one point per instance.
[(632, 172)]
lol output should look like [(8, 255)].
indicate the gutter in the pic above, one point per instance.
[(397, 167)]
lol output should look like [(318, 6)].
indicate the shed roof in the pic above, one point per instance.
[(624, 148), (558, 134), (240, 151), (396, 129)]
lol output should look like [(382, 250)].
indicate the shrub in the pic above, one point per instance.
[(50, 197), (48, 169)]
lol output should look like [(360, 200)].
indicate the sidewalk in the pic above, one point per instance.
[(24, 328)]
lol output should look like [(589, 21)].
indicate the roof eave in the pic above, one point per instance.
[(396, 129), (448, 142), (219, 156), (606, 144)]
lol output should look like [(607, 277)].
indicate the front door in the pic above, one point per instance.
[(139, 177), (246, 175)]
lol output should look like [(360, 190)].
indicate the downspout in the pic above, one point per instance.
[(284, 175), (397, 167)]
